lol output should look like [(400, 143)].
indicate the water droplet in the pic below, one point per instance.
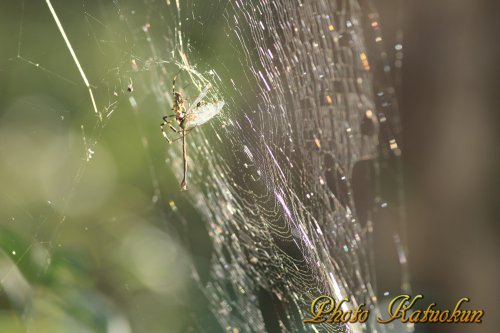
[(172, 205), (90, 153)]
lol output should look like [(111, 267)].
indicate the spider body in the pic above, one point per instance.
[(178, 108), (196, 114)]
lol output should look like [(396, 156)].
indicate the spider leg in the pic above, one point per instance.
[(173, 85), (169, 123), (169, 116), (180, 137)]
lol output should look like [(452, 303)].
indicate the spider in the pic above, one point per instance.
[(196, 114)]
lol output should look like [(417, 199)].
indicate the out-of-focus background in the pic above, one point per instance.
[(449, 108), (84, 246)]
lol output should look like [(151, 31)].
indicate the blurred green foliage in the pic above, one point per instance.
[(88, 246)]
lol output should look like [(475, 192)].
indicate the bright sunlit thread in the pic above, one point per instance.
[(75, 59)]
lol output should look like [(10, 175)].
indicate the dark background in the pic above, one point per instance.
[(449, 112)]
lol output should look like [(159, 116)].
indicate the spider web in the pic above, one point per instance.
[(286, 182)]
